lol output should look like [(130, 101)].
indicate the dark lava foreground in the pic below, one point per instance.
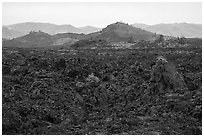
[(129, 92)]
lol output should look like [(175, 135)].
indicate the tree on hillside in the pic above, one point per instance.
[(130, 40), (181, 40), (160, 39)]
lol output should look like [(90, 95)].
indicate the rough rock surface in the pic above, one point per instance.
[(128, 92)]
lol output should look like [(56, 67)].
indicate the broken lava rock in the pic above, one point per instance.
[(164, 76)]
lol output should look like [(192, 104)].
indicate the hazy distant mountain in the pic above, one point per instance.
[(89, 29), (176, 29), (25, 28), (10, 33), (140, 25)]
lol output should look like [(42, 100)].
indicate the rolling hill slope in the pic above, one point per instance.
[(38, 39), (25, 28), (118, 31)]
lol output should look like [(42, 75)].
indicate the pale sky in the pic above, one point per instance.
[(101, 14)]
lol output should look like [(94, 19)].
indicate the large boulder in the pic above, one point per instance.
[(165, 77)]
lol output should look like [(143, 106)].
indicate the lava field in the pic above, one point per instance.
[(102, 92)]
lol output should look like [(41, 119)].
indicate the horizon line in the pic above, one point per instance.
[(100, 27)]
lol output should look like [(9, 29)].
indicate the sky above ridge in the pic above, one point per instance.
[(101, 14)]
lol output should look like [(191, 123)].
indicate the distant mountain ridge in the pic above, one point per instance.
[(116, 32), (25, 28), (140, 25), (10, 33), (188, 30), (113, 33)]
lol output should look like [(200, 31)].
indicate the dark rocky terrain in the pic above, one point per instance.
[(148, 89)]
